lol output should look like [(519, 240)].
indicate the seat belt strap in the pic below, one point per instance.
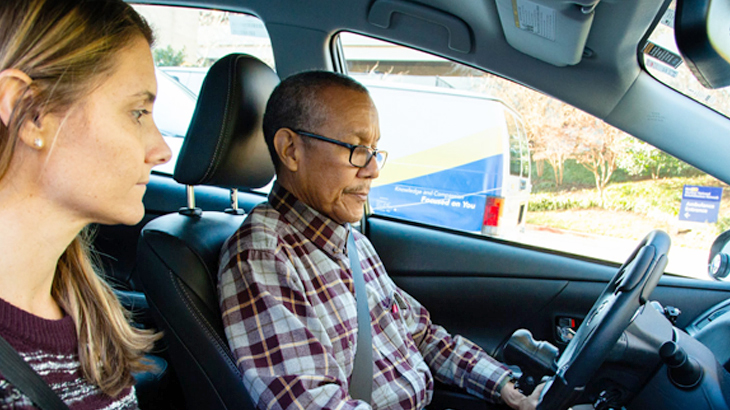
[(19, 373), (361, 384)]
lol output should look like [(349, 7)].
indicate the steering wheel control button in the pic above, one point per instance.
[(684, 371), (597, 312), (636, 269)]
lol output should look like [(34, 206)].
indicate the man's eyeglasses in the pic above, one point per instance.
[(360, 155)]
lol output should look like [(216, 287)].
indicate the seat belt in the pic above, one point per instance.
[(361, 384), (19, 373)]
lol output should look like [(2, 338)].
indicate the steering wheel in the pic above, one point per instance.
[(612, 313)]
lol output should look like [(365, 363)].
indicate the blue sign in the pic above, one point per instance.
[(700, 204)]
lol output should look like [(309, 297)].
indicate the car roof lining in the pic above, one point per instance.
[(490, 52)]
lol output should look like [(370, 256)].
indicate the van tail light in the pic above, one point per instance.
[(493, 211)]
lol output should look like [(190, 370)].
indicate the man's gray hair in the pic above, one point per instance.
[(295, 104)]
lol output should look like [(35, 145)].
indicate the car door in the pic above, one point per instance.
[(485, 289)]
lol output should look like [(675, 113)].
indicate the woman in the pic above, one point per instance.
[(77, 143)]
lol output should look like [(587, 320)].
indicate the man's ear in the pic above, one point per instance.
[(288, 147), (13, 83)]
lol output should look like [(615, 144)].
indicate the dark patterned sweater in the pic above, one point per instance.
[(51, 348)]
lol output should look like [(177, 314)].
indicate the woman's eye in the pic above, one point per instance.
[(137, 114)]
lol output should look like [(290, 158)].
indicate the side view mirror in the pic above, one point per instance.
[(719, 261)]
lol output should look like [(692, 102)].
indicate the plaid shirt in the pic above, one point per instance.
[(290, 316)]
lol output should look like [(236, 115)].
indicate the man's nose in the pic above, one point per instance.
[(371, 170)]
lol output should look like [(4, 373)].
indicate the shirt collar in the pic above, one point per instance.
[(325, 233)]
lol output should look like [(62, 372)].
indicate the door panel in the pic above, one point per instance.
[(463, 305), (485, 288)]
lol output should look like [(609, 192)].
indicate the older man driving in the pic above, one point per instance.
[(286, 288)]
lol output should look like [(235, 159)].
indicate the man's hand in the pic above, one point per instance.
[(516, 400)]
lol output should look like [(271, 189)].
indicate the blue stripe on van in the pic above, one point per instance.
[(454, 197)]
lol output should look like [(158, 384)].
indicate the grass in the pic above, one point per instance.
[(629, 210)]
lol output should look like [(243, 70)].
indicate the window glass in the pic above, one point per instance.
[(663, 60), (473, 152), (188, 42)]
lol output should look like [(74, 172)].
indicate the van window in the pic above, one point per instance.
[(517, 148), (474, 153), (188, 42)]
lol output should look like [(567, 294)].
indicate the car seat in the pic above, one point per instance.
[(177, 256)]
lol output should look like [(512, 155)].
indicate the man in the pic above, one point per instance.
[(285, 286)]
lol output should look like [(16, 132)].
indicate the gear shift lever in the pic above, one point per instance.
[(535, 359)]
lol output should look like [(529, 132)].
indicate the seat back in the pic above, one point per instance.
[(177, 257)]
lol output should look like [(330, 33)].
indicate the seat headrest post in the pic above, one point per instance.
[(190, 210), (234, 209), (190, 190), (234, 198)]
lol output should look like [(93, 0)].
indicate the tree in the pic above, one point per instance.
[(599, 146), (168, 57), (557, 131), (643, 159), (542, 118)]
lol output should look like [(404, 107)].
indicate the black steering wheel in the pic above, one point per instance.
[(608, 318)]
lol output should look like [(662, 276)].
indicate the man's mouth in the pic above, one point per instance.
[(363, 195)]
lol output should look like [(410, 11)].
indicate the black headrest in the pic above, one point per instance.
[(225, 143)]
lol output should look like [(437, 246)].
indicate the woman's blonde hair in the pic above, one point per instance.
[(67, 48)]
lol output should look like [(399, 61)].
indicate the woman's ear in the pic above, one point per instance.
[(13, 83), (14, 86), (288, 149)]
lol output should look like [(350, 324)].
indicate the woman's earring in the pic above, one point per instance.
[(38, 143)]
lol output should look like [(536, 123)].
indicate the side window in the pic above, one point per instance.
[(188, 42), (472, 152)]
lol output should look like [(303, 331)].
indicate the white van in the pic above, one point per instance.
[(469, 170)]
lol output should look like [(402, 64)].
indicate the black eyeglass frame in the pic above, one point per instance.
[(372, 152)]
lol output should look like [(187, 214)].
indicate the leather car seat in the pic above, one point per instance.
[(177, 256)]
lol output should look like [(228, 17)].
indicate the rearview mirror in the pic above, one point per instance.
[(702, 32)]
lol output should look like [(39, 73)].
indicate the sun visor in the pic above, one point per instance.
[(702, 31), (554, 31)]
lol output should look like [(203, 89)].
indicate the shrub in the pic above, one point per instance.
[(547, 202)]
